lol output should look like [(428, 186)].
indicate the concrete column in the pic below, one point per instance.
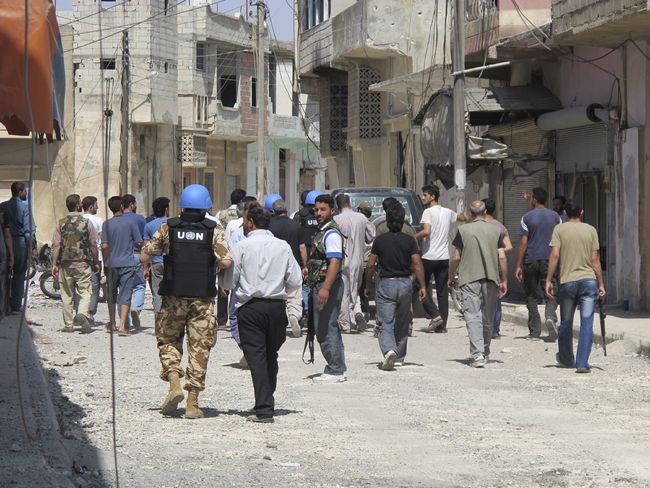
[(644, 195)]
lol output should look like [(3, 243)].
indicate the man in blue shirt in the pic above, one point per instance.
[(155, 270), (19, 220), (532, 263), (119, 236), (140, 284)]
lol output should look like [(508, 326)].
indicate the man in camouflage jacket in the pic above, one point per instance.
[(196, 248), (74, 260)]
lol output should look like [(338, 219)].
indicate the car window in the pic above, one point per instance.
[(376, 202)]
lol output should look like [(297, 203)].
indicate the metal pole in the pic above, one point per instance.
[(261, 112), (458, 64)]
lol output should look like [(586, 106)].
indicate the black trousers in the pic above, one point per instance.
[(222, 308), (440, 272), (262, 329)]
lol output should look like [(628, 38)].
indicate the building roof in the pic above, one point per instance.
[(487, 104)]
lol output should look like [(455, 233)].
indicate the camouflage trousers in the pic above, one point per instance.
[(177, 318)]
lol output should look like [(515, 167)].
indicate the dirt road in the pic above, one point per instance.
[(436, 422)]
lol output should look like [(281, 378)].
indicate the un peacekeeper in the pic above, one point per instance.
[(195, 247)]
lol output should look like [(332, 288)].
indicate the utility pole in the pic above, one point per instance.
[(124, 109), (261, 106), (458, 63)]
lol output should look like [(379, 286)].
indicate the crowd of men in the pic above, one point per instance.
[(268, 271)]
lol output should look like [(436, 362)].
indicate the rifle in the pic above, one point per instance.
[(311, 331), (603, 315)]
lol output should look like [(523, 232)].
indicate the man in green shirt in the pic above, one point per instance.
[(575, 245), (480, 260)]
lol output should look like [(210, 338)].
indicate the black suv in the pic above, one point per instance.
[(376, 195)]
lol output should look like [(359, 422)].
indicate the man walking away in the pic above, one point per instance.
[(532, 263), (288, 230), (194, 247), (265, 274), (155, 270), (120, 235), (575, 245), (399, 256), (326, 288), (74, 247), (490, 207), (358, 232), (140, 284), (20, 220), (90, 207), (224, 217), (436, 225), (480, 260)]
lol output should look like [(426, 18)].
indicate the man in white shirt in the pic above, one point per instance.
[(89, 205), (264, 273), (437, 222)]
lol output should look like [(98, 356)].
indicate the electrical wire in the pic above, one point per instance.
[(23, 318)]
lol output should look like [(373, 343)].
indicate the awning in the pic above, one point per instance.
[(488, 105), (433, 75), (46, 70)]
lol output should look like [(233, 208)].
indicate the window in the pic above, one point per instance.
[(314, 12), (166, 66), (107, 63), (253, 92), (142, 148), (199, 109), (166, 6), (228, 90), (200, 56), (272, 84)]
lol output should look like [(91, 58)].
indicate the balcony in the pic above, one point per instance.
[(490, 21), (605, 23), (316, 48), (376, 29)]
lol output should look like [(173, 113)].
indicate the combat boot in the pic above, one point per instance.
[(192, 410), (175, 395)]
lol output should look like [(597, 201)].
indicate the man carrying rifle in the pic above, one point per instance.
[(575, 245), (326, 292)]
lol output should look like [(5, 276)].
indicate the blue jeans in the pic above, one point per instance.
[(19, 272), (305, 298), (232, 317), (393, 300), (326, 324), (139, 285), (585, 293), (496, 328)]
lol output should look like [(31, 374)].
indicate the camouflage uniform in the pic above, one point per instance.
[(75, 237), (181, 316)]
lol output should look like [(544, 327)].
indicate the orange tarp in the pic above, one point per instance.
[(46, 73)]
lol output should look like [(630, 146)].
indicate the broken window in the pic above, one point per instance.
[(108, 63), (228, 90)]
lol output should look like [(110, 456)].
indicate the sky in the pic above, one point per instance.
[(280, 11)]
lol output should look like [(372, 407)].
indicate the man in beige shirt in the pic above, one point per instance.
[(575, 245)]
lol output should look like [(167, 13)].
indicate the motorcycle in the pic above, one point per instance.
[(50, 285)]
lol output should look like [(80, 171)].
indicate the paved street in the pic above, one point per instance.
[(519, 422)]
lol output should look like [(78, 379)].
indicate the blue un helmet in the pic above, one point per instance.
[(311, 197), (196, 196), (268, 201)]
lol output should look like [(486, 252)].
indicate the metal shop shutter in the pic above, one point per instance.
[(514, 207), (583, 148)]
